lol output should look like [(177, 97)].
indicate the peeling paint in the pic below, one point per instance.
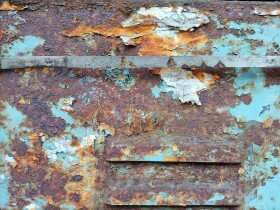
[(182, 18), (266, 11), (248, 35), (184, 84), (167, 26), (262, 107)]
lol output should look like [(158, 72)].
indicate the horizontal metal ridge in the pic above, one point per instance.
[(172, 193), (94, 62), (173, 149)]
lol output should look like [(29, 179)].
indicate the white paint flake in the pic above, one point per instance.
[(185, 85), (182, 18), (266, 11)]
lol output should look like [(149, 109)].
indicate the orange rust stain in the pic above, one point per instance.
[(126, 152), (109, 31), (89, 174), (163, 46), (104, 126), (150, 42), (268, 122), (116, 201), (241, 171), (222, 172), (199, 75), (6, 6), (171, 158), (174, 147), (21, 101), (74, 143), (214, 79), (2, 33), (29, 159)]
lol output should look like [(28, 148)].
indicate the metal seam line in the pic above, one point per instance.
[(102, 62)]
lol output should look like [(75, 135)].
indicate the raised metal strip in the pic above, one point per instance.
[(172, 193), (173, 149), (140, 61)]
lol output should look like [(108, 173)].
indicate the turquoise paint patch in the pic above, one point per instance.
[(233, 130), (12, 28), (261, 166), (163, 88), (266, 197), (80, 132), (263, 105), (214, 199), (22, 46), (59, 148), (11, 124), (4, 192), (121, 77), (58, 112), (243, 43), (65, 206), (10, 129)]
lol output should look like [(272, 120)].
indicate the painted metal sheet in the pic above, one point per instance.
[(59, 127)]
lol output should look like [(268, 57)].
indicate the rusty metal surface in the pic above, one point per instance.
[(77, 139)]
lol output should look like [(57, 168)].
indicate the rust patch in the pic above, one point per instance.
[(110, 31), (6, 6), (150, 43)]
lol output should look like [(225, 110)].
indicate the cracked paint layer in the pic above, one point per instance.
[(184, 85)]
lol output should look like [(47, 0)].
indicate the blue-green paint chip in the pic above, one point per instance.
[(22, 46), (4, 192), (264, 98), (121, 77)]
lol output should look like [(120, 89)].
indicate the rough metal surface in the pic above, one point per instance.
[(60, 126)]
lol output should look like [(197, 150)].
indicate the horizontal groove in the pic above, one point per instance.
[(173, 149), (175, 193)]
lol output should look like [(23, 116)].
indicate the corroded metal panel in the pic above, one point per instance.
[(164, 148), (78, 138)]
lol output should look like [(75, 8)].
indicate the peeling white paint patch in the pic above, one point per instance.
[(185, 85), (88, 141), (54, 147), (11, 160), (266, 11), (182, 18)]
